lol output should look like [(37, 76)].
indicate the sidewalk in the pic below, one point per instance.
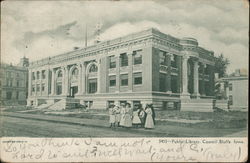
[(160, 130)]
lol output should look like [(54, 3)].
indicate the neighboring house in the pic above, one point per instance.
[(144, 67), (234, 88), (14, 83)]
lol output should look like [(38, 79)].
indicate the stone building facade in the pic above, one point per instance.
[(14, 83), (234, 89), (144, 67)]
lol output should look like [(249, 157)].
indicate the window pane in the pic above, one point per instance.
[(124, 59), (112, 81), (112, 62), (137, 57), (124, 79), (137, 78), (162, 58)]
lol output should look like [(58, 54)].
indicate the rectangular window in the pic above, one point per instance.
[(230, 86), (136, 103), (137, 55), (110, 103), (11, 82), (17, 75), (137, 78), (38, 74), (33, 88), (92, 85), (123, 103), (37, 87), (43, 87), (162, 82), (33, 76), (43, 74), (112, 81), (8, 95), (124, 79), (162, 58), (124, 59), (17, 95), (17, 83), (112, 62), (174, 61), (230, 100)]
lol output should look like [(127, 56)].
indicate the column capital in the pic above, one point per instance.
[(185, 57)]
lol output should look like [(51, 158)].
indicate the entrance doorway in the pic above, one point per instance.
[(73, 91)]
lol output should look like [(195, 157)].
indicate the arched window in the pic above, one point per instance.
[(59, 74), (75, 73), (93, 68)]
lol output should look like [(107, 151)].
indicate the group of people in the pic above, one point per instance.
[(127, 116)]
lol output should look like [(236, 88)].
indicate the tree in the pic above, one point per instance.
[(221, 64)]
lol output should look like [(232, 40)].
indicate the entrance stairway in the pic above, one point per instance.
[(197, 105), (68, 103)]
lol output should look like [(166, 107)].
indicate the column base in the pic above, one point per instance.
[(197, 95), (169, 92), (185, 96)]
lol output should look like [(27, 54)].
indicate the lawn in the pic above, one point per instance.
[(217, 119)]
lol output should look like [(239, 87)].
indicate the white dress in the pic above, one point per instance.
[(149, 123), (136, 119), (122, 121), (111, 115)]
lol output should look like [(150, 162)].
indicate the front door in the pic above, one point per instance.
[(73, 91)]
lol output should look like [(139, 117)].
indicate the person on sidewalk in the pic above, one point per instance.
[(122, 114), (149, 123), (136, 120), (117, 114), (142, 115), (128, 116), (112, 116)]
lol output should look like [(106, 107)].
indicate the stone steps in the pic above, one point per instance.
[(197, 105)]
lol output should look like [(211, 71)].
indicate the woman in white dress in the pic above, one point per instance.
[(136, 120), (117, 115), (122, 113), (112, 116), (128, 116), (149, 123)]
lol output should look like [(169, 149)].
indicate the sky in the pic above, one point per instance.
[(39, 29)]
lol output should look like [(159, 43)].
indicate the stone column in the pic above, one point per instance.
[(185, 93), (117, 73), (196, 79), (80, 79), (179, 79), (66, 81), (98, 75), (53, 82), (47, 82), (83, 78), (130, 71), (203, 79), (168, 76), (30, 84)]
